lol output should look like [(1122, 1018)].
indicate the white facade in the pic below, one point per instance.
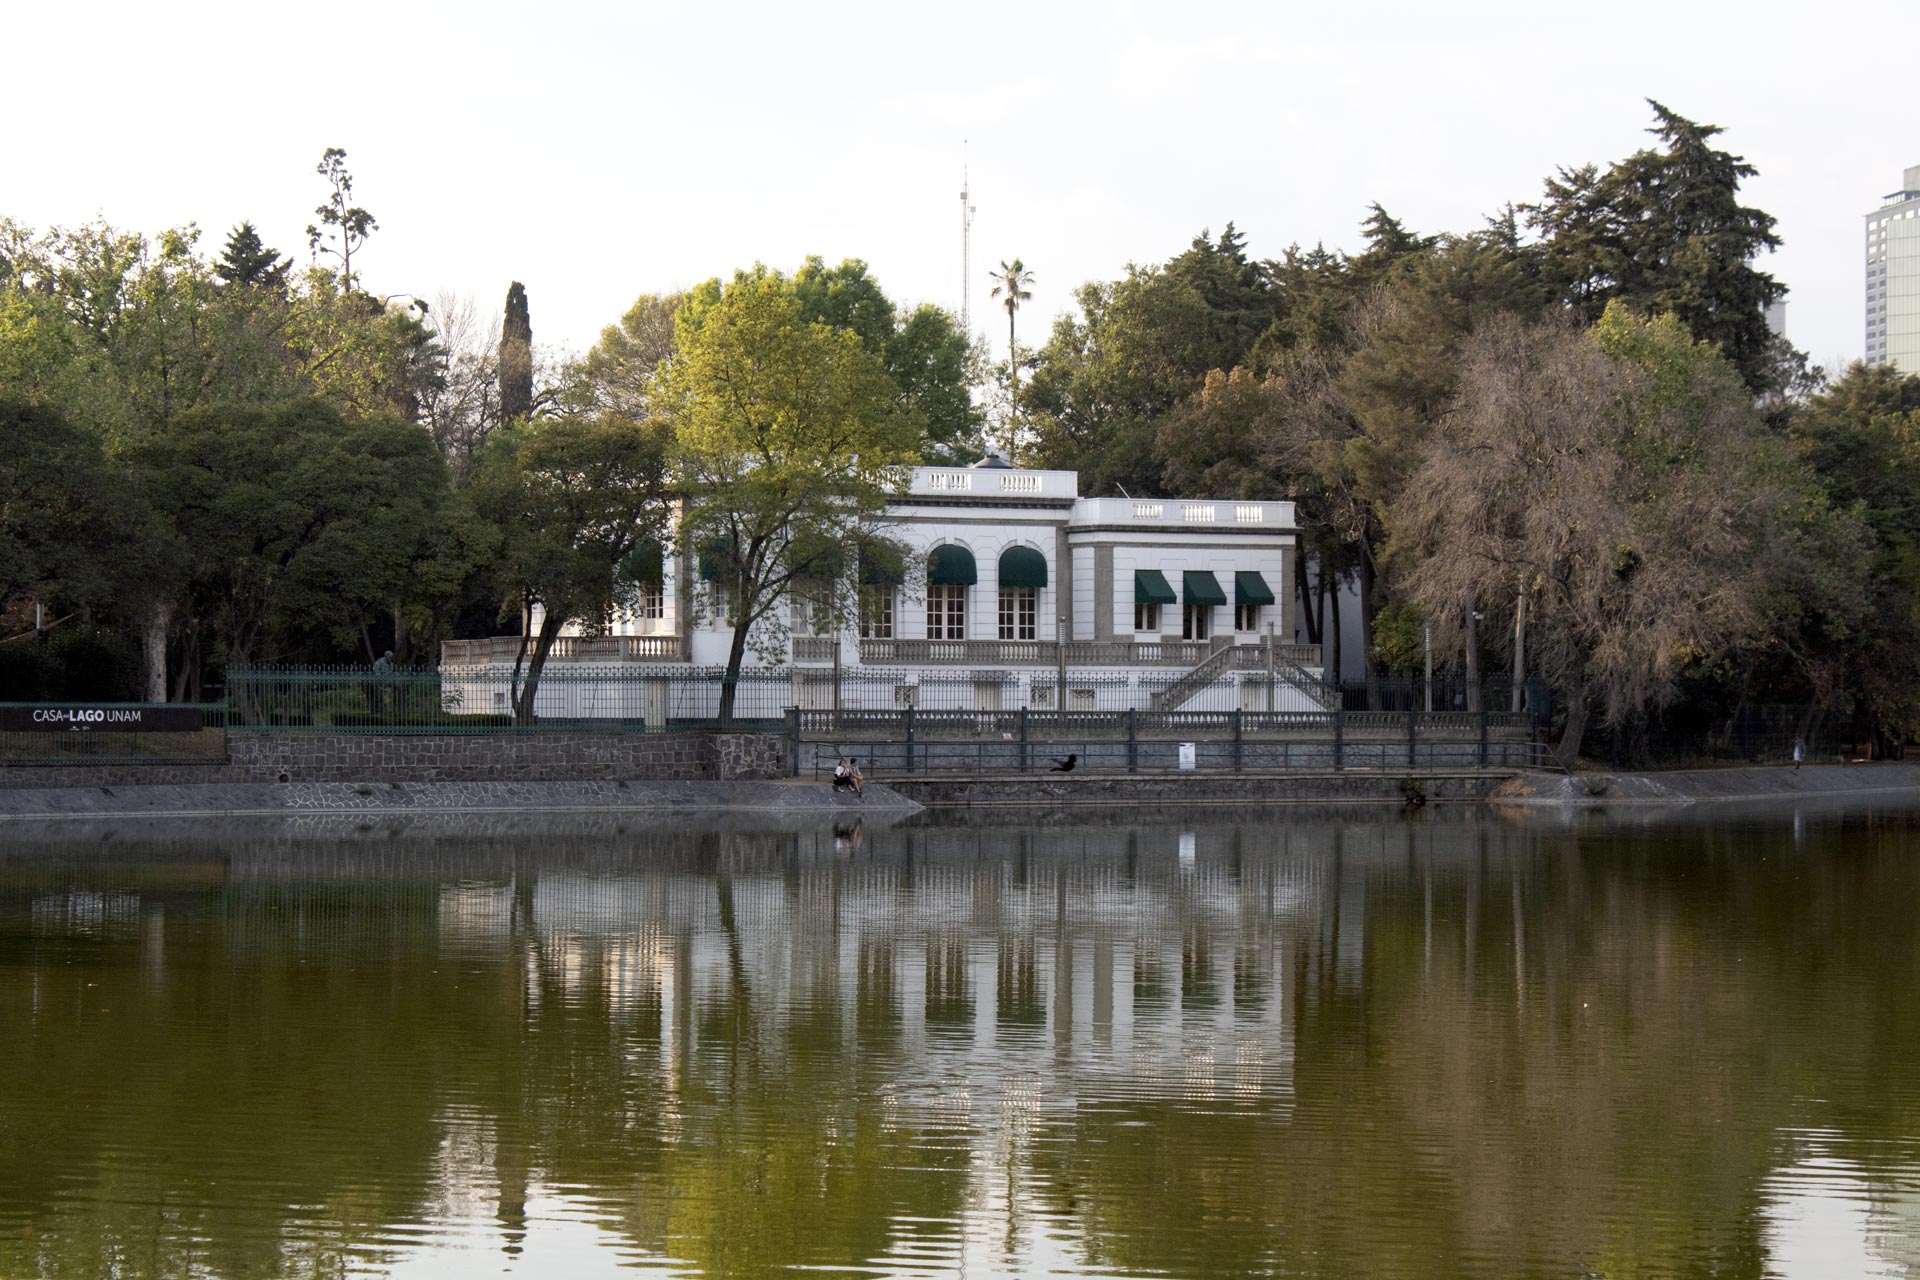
[(1056, 581)]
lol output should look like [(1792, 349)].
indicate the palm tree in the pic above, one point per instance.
[(1011, 282)]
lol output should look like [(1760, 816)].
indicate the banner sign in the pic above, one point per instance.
[(80, 717)]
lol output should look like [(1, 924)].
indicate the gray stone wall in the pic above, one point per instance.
[(1193, 788), (369, 757)]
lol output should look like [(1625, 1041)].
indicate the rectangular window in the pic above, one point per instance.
[(652, 604), (810, 615), (947, 612), (1196, 621), (1146, 617), (1017, 612), (1246, 617), (876, 613)]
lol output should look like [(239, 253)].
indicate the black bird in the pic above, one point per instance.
[(1065, 766)]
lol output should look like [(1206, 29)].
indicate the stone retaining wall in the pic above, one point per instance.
[(1215, 789), (505, 757)]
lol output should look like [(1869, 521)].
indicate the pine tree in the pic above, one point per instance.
[(1665, 232), (246, 260), (516, 357)]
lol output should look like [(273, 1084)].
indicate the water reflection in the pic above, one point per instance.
[(1324, 1045)]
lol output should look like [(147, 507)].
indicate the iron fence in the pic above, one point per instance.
[(1164, 755), (38, 733), (482, 700)]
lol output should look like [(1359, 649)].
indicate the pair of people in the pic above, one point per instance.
[(846, 775)]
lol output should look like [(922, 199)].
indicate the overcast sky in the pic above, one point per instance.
[(598, 151)]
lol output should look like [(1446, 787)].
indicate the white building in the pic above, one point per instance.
[(1893, 277), (1011, 577)]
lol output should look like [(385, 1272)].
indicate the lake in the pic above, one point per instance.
[(1290, 1042)]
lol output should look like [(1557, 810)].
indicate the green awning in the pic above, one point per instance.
[(711, 558), (1022, 567), (951, 566), (817, 559), (1250, 588), (880, 566), (1150, 587), (645, 564), (1201, 587)]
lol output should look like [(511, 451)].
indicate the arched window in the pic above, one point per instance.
[(950, 572), (1023, 571)]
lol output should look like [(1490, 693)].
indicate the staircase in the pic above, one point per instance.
[(1242, 657)]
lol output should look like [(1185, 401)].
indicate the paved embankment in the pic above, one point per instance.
[(186, 800), (1054, 790), (1695, 786)]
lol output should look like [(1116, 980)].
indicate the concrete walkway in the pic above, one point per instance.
[(785, 797), (1695, 786)]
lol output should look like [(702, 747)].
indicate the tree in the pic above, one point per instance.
[(1104, 383), (350, 226), (1623, 481), (1861, 438), (69, 530), (788, 439), (931, 363), (1665, 232), (288, 524), (618, 373), (516, 356), (246, 262), (573, 499), (1010, 282)]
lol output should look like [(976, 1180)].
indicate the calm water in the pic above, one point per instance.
[(1308, 1045)]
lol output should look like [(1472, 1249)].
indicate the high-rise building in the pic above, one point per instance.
[(1893, 278)]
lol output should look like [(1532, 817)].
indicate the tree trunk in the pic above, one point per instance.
[(153, 645), (1366, 625), (1576, 715), (1303, 591), (1320, 607), (1473, 660), (550, 624), (1333, 622), (736, 656), (401, 654), (1519, 647)]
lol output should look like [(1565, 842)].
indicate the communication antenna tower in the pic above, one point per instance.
[(966, 254)]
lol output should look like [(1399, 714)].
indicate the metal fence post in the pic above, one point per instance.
[(1483, 736), (1236, 740), (1412, 762), (1339, 738), (793, 737), (1133, 742), (909, 720), (1023, 740)]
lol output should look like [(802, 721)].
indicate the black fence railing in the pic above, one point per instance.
[(479, 701), (40, 733), (1155, 755)]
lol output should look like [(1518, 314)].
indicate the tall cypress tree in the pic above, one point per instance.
[(516, 357)]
